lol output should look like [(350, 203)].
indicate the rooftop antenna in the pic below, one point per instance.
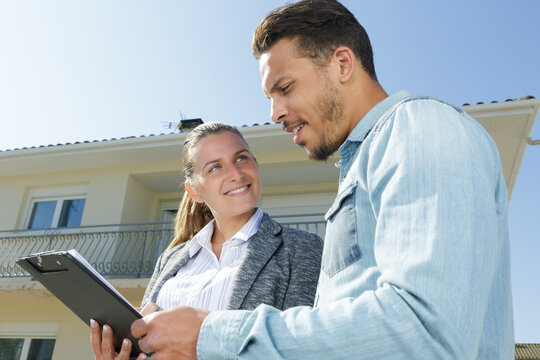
[(183, 125)]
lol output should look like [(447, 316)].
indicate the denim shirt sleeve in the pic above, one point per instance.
[(440, 257)]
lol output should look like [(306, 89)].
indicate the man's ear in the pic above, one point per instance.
[(193, 193), (346, 61)]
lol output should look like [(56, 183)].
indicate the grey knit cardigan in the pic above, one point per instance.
[(280, 268)]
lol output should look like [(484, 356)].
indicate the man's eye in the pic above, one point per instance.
[(242, 157), (285, 89), (214, 168)]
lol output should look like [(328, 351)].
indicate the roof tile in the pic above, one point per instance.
[(161, 134)]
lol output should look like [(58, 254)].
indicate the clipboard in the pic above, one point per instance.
[(69, 277)]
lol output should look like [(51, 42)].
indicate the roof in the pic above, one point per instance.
[(527, 351), (509, 123), (528, 97)]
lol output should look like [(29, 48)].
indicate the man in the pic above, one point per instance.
[(416, 254)]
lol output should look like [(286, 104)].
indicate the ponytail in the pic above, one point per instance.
[(190, 219)]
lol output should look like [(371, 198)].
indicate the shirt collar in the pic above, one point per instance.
[(369, 120), (250, 227), (204, 236)]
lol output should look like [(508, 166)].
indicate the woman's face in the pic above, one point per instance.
[(225, 176)]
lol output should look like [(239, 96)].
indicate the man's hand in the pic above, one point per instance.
[(170, 334)]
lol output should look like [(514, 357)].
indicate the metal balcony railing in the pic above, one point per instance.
[(116, 251), (126, 250)]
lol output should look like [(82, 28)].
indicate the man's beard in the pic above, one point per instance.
[(331, 114)]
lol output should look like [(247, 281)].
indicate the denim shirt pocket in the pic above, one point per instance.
[(341, 247)]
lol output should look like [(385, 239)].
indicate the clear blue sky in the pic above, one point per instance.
[(92, 70)]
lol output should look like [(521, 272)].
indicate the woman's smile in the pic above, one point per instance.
[(238, 191)]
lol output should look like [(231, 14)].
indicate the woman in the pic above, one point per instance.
[(226, 253)]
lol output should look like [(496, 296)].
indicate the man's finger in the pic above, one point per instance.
[(150, 308), (139, 328), (144, 344)]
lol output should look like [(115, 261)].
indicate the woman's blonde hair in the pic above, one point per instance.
[(193, 216)]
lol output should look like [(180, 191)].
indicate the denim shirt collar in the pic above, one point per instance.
[(350, 146)]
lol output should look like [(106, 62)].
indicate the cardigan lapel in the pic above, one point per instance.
[(262, 246), (178, 259)]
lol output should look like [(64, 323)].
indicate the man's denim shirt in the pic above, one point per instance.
[(416, 258)]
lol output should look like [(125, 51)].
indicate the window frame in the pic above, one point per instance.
[(57, 211), (27, 342), (52, 194), (29, 332), (167, 206)]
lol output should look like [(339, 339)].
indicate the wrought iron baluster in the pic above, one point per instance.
[(114, 250)]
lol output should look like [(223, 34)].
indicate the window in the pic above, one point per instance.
[(59, 212), (26, 348), (169, 208), (168, 215)]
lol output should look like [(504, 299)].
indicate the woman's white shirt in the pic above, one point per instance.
[(205, 282)]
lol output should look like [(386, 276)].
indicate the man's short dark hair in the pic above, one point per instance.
[(318, 28)]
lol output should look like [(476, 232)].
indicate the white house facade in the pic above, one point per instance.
[(113, 200)]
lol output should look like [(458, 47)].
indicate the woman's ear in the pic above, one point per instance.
[(193, 193)]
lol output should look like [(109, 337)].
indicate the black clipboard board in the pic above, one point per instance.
[(69, 277)]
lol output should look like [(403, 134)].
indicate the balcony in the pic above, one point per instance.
[(115, 251)]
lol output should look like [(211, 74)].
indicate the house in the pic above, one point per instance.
[(113, 200), (527, 351)]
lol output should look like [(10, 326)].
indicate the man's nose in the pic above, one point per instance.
[(278, 110)]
